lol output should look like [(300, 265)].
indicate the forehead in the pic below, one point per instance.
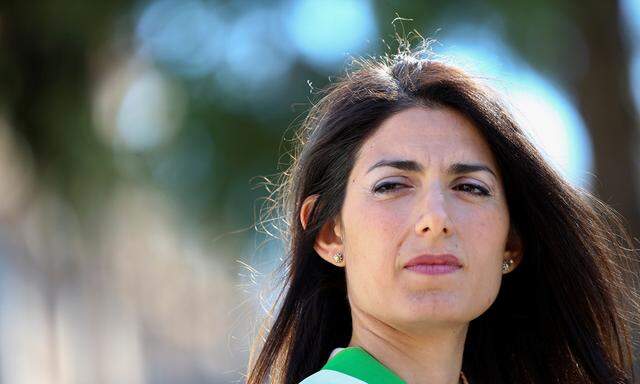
[(440, 135)]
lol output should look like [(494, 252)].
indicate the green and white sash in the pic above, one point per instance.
[(353, 365)]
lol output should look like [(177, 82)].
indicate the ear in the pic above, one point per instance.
[(305, 210), (329, 238), (513, 249)]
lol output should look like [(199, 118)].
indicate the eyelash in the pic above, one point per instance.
[(483, 191)]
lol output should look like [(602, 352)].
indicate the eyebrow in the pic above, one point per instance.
[(414, 166)]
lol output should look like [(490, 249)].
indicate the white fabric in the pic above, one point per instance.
[(327, 376), (333, 353)]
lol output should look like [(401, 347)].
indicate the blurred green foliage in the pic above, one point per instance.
[(54, 54)]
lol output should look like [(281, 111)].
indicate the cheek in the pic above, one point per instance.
[(374, 226), (373, 235), (483, 235), (483, 232)]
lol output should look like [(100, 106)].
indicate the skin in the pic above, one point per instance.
[(416, 324)]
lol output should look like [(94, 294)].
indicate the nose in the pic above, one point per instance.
[(434, 218)]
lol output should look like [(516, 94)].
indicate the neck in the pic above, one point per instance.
[(427, 354)]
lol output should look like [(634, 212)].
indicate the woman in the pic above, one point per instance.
[(429, 242)]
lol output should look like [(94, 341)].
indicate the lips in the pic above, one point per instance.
[(440, 259), (434, 265)]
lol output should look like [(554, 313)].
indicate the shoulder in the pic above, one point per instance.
[(328, 376)]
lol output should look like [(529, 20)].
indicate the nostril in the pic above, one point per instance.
[(427, 229)]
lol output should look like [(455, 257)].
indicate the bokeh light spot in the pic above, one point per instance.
[(186, 35), (325, 32)]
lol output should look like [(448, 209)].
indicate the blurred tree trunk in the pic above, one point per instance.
[(604, 99), (47, 57)]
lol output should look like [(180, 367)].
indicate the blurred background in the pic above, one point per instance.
[(136, 138)]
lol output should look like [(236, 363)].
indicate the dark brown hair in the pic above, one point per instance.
[(564, 315)]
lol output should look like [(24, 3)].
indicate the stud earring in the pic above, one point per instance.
[(506, 265), (338, 257)]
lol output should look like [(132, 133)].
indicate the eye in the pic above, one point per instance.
[(473, 189), (387, 187)]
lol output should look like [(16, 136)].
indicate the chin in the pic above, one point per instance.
[(466, 304), (440, 307)]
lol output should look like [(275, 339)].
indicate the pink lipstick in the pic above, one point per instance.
[(434, 264)]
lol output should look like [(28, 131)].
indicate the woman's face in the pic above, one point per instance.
[(443, 196)]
